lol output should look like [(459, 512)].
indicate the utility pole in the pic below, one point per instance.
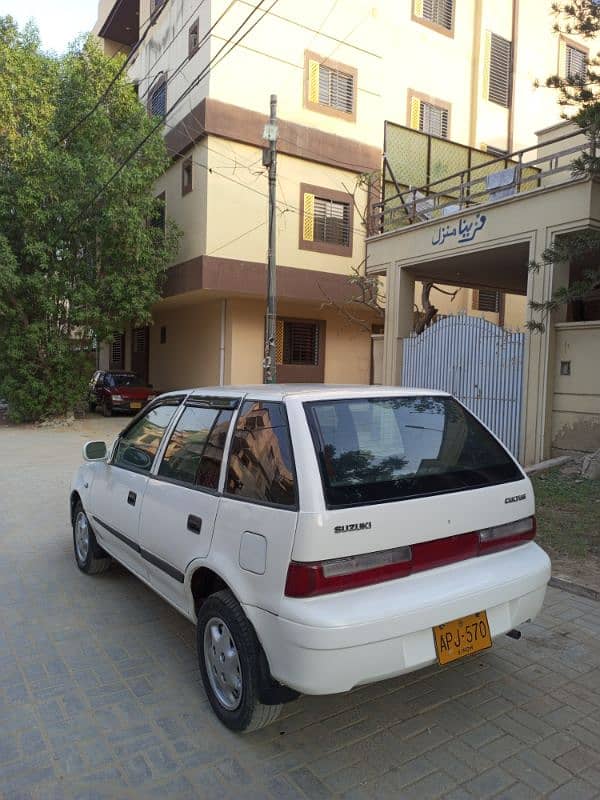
[(270, 160)]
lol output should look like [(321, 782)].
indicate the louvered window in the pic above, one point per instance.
[(139, 340), (158, 100), (433, 119), (331, 222), (336, 89), (440, 12), (117, 352), (487, 300), (576, 62), (500, 70), (300, 343)]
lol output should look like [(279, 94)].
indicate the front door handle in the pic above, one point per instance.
[(194, 524), (131, 498)]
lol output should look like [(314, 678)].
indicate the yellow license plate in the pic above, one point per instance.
[(135, 405), (462, 637)]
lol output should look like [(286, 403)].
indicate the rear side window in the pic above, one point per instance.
[(137, 448), (261, 468), (385, 449), (195, 450)]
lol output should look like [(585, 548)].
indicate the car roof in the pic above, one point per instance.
[(306, 391)]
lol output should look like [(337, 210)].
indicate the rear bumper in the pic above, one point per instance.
[(330, 644)]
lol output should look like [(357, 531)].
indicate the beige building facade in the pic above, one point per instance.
[(463, 70)]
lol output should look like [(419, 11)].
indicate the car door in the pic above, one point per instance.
[(181, 499), (257, 516), (118, 488)]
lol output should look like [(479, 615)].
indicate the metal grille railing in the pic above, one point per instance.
[(426, 177)]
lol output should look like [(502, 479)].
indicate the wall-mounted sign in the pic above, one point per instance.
[(464, 231)]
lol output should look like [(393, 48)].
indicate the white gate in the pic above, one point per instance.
[(478, 362)]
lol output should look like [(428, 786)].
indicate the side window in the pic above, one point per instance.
[(109, 381), (137, 448), (195, 450), (260, 464)]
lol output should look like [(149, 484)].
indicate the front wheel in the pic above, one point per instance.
[(90, 557), (228, 655)]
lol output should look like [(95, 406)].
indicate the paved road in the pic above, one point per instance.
[(100, 695)]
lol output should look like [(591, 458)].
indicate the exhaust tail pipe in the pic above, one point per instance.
[(514, 634)]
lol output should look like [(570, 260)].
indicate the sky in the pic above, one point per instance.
[(59, 21)]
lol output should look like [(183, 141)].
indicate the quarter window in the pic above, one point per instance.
[(195, 450), (260, 464), (137, 448)]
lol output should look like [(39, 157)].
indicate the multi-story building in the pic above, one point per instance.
[(457, 69)]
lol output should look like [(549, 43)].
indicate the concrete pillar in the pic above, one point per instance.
[(538, 383), (399, 320)]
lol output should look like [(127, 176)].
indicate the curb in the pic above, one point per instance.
[(575, 588)]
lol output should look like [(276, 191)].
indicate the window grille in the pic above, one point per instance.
[(433, 119), (440, 12), (576, 63), (331, 222), (301, 343), (488, 300), (158, 100), (336, 89)]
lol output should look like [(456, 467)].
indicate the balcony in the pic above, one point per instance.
[(122, 22), (426, 178)]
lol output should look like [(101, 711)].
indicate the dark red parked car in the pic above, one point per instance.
[(118, 390)]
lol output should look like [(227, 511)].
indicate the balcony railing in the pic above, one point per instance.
[(539, 166)]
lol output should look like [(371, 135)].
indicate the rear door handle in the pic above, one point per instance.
[(131, 498), (194, 524)]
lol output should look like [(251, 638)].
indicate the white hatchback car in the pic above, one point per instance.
[(320, 537)]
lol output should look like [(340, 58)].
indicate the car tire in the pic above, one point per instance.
[(90, 557), (106, 409), (225, 636)]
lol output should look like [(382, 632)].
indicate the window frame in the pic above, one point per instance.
[(326, 247), (334, 65), (177, 400), (192, 402), (160, 82), (228, 447), (475, 300), (187, 164), (434, 26), (192, 50), (432, 101)]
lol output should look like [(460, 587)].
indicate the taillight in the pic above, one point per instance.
[(501, 537), (338, 574)]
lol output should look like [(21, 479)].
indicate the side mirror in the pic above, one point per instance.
[(94, 451)]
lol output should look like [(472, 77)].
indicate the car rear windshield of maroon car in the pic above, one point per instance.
[(377, 450), (121, 379)]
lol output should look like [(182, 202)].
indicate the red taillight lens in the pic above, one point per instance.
[(501, 537), (338, 574)]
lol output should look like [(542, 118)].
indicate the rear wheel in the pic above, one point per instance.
[(90, 557), (228, 655)]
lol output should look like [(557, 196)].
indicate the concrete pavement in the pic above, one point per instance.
[(100, 695)]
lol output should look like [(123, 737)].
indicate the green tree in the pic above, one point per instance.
[(78, 261), (580, 17)]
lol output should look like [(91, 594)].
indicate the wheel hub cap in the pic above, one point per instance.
[(223, 664), (82, 537)]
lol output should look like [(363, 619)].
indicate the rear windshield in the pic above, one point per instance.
[(378, 450), (120, 379)]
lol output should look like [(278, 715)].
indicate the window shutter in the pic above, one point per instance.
[(313, 81), (500, 70), (418, 8), (309, 217), (575, 62), (415, 113)]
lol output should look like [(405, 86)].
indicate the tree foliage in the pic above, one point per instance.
[(580, 17), (72, 270)]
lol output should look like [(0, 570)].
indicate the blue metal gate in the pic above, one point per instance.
[(478, 362)]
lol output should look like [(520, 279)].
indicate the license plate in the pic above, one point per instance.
[(135, 405), (462, 637)]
